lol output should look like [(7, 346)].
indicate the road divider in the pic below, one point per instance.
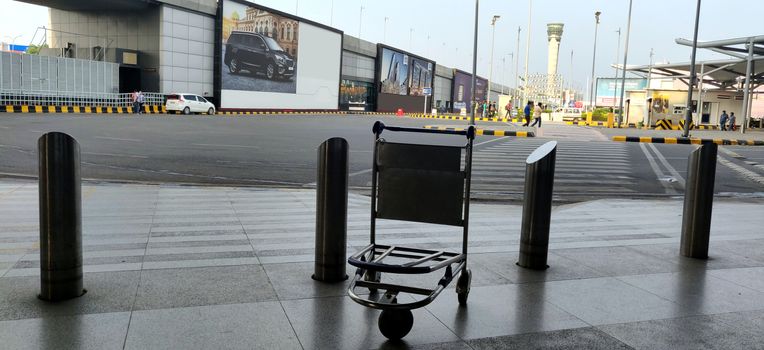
[(24, 109), (486, 132), (687, 140), (457, 117)]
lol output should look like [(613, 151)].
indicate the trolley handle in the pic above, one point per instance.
[(379, 127)]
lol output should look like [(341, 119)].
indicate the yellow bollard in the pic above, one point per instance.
[(589, 118), (610, 118)]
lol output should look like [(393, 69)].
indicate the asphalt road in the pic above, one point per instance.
[(281, 151)]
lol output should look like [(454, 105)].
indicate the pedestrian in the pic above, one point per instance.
[(732, 126), (141, 99), (537, 115), (527, 113), (134, 101), (493, 109), (723, 121), (508, 108), (485, 109)]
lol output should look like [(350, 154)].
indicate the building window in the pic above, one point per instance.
[(289, 32)]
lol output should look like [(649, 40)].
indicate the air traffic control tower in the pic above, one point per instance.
[(554, 35)]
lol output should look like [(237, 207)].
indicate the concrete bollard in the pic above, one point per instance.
[(537, 207), (698, 201), (331, 211), (60, 217)]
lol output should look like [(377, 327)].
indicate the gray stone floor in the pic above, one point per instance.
[(177, 267)]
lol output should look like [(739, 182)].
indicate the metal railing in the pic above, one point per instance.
[(11, 98)]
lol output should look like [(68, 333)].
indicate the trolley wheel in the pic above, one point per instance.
[(395, 324), (463, 286), (372, 276)]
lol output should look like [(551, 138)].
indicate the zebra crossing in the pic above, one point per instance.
[(582, 167)]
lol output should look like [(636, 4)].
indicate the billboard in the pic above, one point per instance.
[(461, 92), (608, 92), (394, 72), (272, 60), (403, 79)]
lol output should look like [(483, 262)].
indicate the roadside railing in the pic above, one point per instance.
[(15, 98)]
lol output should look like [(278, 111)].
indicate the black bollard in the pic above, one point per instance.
[(537, 207), (60, 217), (698, 201), (331, 211)]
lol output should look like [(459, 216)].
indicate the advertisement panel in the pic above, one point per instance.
[(421, 76), (394, 72), (272, 60), (462, 89), (609, 90)]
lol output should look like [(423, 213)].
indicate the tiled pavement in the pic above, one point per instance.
[(205, 267)]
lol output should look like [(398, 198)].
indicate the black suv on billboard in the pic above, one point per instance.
[(253, 51)]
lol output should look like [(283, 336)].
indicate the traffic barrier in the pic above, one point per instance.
[(664, 124), (331, 211), (486, 132), (60, 217), (682, 122), (688, 140), (537, 207), (24, 109)]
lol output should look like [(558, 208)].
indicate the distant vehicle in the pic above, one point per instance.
[(189, 103), (567, 114), (256, 52)]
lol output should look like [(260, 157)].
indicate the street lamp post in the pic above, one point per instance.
[(688, 115), (384, 31), (593, 82), (490, 68), (474, 64), (411, 38), (527, 51), (360, 22), (517, 68), (615, 81), (625, 59)]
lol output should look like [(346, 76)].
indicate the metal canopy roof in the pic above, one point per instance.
[(723, 74)]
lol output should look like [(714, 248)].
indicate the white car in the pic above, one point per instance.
[(189, 103)]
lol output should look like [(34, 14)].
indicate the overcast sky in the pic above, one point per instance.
[(449, 25)]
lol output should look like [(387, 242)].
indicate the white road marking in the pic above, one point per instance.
[(117, 139), (115, 155), (360, 172), (657, 170), (750, 175), (668, 166), (223, 145)]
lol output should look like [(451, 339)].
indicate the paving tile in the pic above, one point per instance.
[(608, 300), (501, 310), (340, 323), (580, 338), (107, 292), (94, 331), (168, 288), (749, 277), (720, 257), (293, 281), (618, 261), (695, 332), (237, 326), (560, 268), (697, 292), (457, 345), (749, 321)]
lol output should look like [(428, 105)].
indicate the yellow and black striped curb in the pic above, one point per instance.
[(687, 140), (486, 132), (454, 117), (286, 113), (667, 124), (153, 109)]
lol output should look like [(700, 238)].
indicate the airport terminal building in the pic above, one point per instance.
[(238, 54)]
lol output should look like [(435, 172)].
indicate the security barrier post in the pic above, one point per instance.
[(537, 207), (698, 201), (331, 211)]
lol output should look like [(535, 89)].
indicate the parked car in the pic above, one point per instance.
[(256, 52), (189, 103)]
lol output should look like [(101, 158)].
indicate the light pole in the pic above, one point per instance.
[(360, 22), (331, 15), (490, 67), (384, 32), (625, 59), (527, 50), (517, 69), (594, 56), (13, 40), (428, 45), (474, 64), (570, 80), (411, 37), (617, 53), (688, 116)]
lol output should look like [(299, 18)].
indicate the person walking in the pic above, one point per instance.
[(141, 100), (723, 121), (134, 101), (732, 125), (537, 115), (527, 113), (508, 108)]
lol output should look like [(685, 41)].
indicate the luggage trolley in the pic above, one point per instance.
[(421, 183)]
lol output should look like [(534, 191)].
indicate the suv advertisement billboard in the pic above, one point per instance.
[(259, 50), (273, 60)]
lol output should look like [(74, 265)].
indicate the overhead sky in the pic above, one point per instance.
[(449, 25)]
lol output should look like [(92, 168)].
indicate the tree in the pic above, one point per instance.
[(235, 16), (35, 50)]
